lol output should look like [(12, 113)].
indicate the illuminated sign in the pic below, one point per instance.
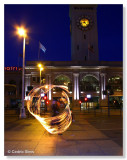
[(88, 96), (12, 68)]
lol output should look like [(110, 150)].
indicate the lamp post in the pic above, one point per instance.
[(22, 32), (41, 69)]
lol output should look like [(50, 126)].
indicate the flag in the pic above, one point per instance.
[(42, 47), (90, 48)]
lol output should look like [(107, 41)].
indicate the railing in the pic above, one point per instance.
[(103, 110)]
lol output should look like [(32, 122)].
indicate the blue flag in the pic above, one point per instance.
[(42, 47)]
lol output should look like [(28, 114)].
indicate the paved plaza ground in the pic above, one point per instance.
[(88, 135)]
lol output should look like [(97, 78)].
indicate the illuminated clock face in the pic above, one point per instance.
[(84, 23)]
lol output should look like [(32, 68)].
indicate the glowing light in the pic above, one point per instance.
[(74, 88), (45, 97), (84, 22), (86, 99), (42, 94), (56, 124), (21, 31), (27, 97), (54, 92), (39, 65), (117, 78), (41, 68), (88, 96), (46, 86), (80, 102)]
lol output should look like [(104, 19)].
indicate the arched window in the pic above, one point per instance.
[(116, 83), (89, 83), (62, 80)]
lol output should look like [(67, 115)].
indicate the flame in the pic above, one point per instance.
[(53, 125)]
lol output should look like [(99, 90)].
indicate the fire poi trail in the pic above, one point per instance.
[(56, 124)]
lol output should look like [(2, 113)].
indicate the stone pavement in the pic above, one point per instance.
[(87, 136)]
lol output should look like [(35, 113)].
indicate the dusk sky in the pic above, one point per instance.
[(50, 24)]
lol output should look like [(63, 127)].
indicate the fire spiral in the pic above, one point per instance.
[(57, 124)]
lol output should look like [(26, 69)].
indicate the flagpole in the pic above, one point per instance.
[(18, 60), (39, 51)]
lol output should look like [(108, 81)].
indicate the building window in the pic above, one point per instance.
[(11, 93), (62, 80), (89, 83), (12, 82), (115, 83), (34, 79), (38, 79)]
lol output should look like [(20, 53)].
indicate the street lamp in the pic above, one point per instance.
[(22, 32), (41, 69)]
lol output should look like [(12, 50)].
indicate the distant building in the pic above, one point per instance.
[(12, 86)]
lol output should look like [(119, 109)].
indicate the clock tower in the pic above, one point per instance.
[(84, 35)]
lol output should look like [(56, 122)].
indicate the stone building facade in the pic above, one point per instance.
[(81, 80)]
